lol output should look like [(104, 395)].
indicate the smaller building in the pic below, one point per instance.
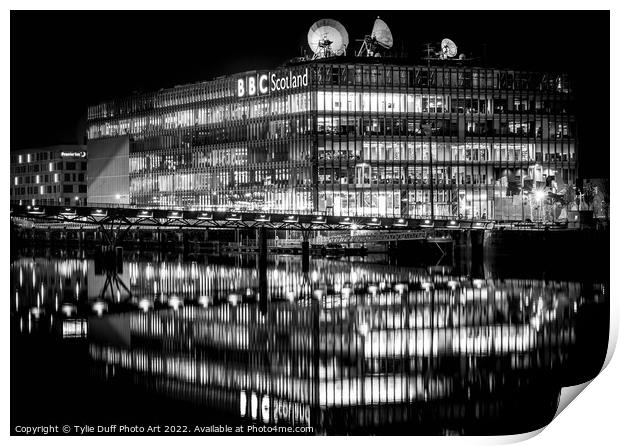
[(54, 175)]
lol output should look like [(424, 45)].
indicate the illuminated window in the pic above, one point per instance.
[(19, 159), (55, 178), (41, 190), (38, 179), (28, 158), (51, 167), (15, 181)]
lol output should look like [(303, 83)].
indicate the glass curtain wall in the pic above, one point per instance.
[(441, 141), (380, 140)]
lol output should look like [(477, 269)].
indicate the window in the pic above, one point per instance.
[(82, 188), (67, 188), (69, 165), (422, 77), (500, 105)]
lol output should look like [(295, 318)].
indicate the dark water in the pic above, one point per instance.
[(353, 346)]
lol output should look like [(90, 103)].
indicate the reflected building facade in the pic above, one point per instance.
[(361, 355), (350, 137), (346, 348)]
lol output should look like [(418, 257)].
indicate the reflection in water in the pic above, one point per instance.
[(348, 347)]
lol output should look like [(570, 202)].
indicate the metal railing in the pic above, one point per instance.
[(298, 220), (376, 237)]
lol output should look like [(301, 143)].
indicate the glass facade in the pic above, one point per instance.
[(353, 139)]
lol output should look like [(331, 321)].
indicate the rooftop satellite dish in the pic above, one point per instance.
[(448, 49), (327, 38), (380, 38), (382, 33)]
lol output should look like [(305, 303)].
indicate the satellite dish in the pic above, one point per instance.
[(380, 38), (381, 32), (448, 49), (327, 38)]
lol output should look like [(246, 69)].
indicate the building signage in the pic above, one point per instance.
[(260, 84), (80, 154), (288, 81), (256, 85)]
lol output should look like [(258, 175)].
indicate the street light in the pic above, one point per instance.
[(540, 195)]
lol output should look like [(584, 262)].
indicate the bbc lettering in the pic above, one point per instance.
[(265, 83), (253, 85)]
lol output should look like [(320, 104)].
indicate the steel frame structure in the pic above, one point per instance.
[(120, 219), (115, 222), (382, 236)]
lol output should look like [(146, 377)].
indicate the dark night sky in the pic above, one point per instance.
[(63, 61)]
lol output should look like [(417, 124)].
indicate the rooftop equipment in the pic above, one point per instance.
[(328, 38), (379, 40), (448, 49)]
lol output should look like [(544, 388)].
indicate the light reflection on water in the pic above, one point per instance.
[(346, 347)]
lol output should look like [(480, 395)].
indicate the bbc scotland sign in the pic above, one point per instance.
[(261, 84)]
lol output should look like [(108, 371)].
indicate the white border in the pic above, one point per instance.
[(591, 419)]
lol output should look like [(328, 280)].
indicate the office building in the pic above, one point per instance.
[(350, 136), (54, 175)]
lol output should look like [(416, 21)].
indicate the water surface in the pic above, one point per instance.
[(352, 346)]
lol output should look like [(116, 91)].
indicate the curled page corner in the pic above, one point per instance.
[(568, 394), (517, 438)]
